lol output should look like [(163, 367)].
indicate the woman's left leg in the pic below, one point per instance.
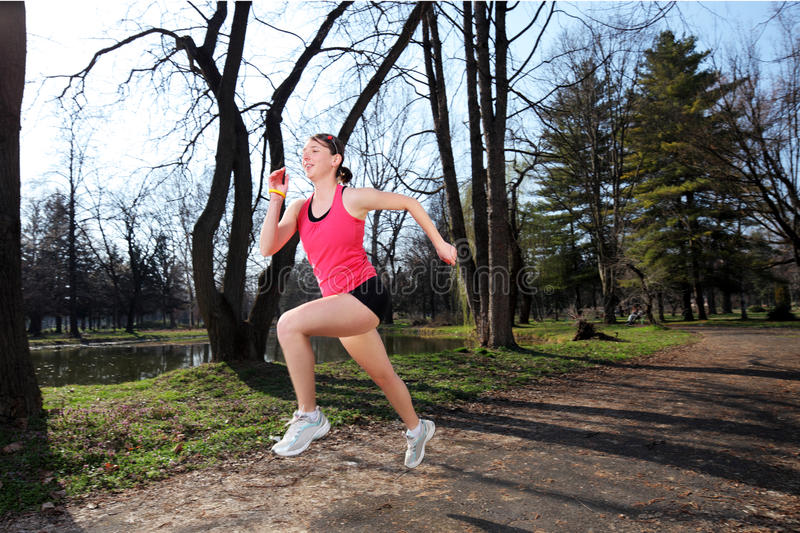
[(369, 352)]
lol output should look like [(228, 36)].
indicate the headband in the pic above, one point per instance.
[(335, 149)]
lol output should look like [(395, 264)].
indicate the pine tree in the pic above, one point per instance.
[(676, 202)]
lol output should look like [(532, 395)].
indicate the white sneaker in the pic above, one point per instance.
[(302, 432), (416, 446)]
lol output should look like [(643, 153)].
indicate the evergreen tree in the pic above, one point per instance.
[(35, 279), (166, 278), (559, 267), (46, 276), (676, 202)]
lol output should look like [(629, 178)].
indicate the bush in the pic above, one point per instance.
[(756, 309)]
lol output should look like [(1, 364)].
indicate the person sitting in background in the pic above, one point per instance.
[(635, 315)]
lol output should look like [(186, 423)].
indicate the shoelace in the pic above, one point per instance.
[(295, 428), (294, 419)]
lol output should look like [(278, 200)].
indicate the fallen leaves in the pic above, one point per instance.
[(645, 504)]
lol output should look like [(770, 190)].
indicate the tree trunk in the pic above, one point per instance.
[(434, 66), (742, 304), (431, 293), (35, 326), (230, 336), (388, 317), (712, 302), (648, 294), (517, 264), (695, 257), (72, 265), (220, 311), (727, 302), (480, 207), (608, 287), (130, 323), (20, 397), (493, 103), (525, 308), (686, 293), (701, 302)]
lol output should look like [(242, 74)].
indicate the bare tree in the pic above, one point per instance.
[(221, 298), (19, 393), (231, 336), (587, 126), (73, 174), (494, 90), (758, 141), (140, 249), (434, 66), (478, 176), (109, 259), (369, 91)]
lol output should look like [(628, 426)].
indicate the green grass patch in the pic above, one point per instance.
[(110, 437), (107, 437), (403, 328), (145, 335), (734, 320)]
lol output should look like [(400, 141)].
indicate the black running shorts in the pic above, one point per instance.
[(374, 295)]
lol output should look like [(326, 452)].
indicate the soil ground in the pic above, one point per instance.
[(705, 437)]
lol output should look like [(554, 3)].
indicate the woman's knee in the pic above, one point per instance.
[(287, 325)]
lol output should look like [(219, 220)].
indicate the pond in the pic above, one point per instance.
[(86, 365)]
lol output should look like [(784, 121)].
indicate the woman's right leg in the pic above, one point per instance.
[(369, 352)]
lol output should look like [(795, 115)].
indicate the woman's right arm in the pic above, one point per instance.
[(275, 234)]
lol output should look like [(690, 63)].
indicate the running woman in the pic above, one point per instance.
[(353, 303)]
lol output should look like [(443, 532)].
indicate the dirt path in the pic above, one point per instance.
[(700, 438)]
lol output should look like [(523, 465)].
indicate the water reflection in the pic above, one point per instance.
[(86, 365)]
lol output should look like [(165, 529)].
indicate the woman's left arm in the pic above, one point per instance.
[(359, 202)]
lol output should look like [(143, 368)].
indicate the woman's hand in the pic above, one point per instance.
[(279, 180), (447, 253)]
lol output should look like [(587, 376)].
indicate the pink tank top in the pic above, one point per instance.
[(334, 244)]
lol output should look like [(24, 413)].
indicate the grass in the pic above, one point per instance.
[(110, 437), (754, 320), (120, 335), (404, 328)]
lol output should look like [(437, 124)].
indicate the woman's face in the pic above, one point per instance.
[(317, 159)]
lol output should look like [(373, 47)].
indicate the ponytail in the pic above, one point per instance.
[(344, 175)]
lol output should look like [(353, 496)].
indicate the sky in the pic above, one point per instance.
[(62, 36)]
